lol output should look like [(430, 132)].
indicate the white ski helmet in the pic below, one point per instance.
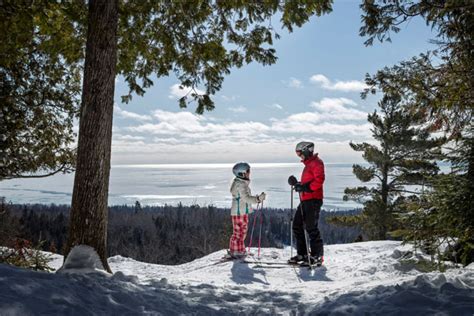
[(240, 169), (306, 148)]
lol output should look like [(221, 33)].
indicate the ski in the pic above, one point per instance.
[(282, 266), (271, 266), (276, 264), (312, 266), (268, 262), (225, 259)]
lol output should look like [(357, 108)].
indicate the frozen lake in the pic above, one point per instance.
[(204, 184)]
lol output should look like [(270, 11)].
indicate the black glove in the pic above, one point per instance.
[(302, 187), (292, 180)]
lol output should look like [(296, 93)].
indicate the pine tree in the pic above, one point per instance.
[(39, 88), (404, 156), (198, 41), (445, 215), (9, 225), (138, 207), (440, 86)]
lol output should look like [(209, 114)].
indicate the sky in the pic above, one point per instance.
[(312, 93)]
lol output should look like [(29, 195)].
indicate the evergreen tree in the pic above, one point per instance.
[(138, 207), (39, 88), (404, 156), (198, 41), (445, 215), (440, 86), (8, 224)]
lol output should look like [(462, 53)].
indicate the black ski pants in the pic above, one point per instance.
[(307, 215)]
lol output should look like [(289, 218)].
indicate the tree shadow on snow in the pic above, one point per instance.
[(418, 297), (37, 293), (244, 301)]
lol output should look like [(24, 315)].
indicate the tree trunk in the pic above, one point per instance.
[(385, 220), (89, 213), (470, 159)]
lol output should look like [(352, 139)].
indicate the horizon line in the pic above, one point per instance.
[(218, 164)]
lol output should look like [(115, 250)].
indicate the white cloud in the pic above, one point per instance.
[(305, 123), (176, 92), (178, 117), (334, 109), (184, 136), (321, 121), (167, 140), (346, 86), (275, 106), (326, 103), (229, 98), (238, 109), (128, 137), (275, 150), (189, 127), (321, 79), (294, 83), (131, 115)]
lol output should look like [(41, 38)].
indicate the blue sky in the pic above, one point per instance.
[(312, 93)]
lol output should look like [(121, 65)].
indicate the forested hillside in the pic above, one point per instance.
[(163, 234)]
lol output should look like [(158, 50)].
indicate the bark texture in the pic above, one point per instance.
[(89, 213)]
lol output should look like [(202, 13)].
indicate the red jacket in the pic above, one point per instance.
[(313, 173)]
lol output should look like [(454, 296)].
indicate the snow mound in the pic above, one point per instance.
[(82, 259)]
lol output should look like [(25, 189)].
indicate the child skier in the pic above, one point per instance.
[(242, 201)]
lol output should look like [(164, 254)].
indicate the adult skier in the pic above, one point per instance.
[(242, 200), (310, 189)]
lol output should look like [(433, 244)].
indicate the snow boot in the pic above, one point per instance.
[(236, 254), (314, 261), (296, 259), (319, 261)]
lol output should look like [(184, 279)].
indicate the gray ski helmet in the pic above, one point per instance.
[(240, 169), (306, 148)]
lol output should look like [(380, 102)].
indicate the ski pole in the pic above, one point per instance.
[(292, 181), (291, 224), (253, 227), (260, 234)]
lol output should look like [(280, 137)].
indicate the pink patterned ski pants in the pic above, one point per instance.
[(237, 241)]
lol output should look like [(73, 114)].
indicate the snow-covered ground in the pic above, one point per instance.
[(357, 279)]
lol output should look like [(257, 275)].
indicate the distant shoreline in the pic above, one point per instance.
[(218, 165), (149, 206)]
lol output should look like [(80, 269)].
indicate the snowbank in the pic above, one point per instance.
[(357, 279)]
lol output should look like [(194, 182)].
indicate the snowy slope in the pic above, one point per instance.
[(357, 279)]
